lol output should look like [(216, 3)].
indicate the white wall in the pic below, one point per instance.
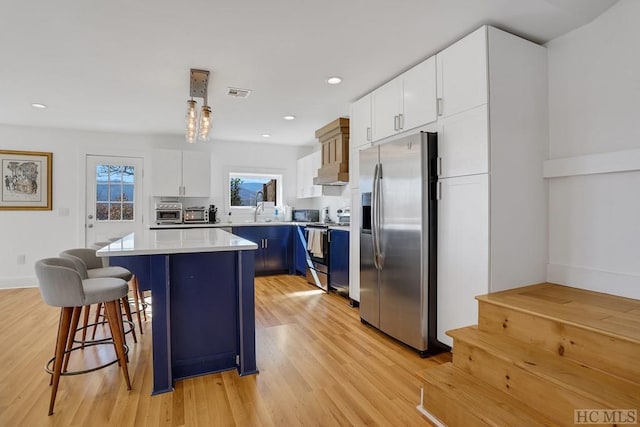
[(40, 234), (594, 107)]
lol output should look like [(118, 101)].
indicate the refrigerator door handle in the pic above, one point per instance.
[(374, 216), (379, 219)]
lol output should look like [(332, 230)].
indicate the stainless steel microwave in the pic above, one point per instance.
[(305, 215)]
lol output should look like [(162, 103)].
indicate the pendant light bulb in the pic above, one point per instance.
[(191, 120), (205, 123)]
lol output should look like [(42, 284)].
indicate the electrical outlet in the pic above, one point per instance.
[(22, 258)]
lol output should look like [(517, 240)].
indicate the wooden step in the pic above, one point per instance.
[(599, 330), (538, 377), (458, 399)]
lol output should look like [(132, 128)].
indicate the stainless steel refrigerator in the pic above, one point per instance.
[(398, 182)]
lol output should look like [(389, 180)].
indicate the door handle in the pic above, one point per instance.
[(369, 134), (266, 243), (89, 225), (438, 190), (395, 123), (438, 166), (400, 121), (90, 217), (439, 106)]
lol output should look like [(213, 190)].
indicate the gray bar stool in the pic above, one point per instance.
[(86, 260), (138, 296), (61, 286)]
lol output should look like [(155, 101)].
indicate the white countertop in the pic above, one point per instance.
[(239, 224), (164, 242)]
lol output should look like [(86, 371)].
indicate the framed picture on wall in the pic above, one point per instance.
[(26, 180)]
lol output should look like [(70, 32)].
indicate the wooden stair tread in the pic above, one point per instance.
[(610, 391), (485, 403), (611, 315)]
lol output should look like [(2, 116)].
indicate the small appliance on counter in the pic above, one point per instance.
[(344, 215), (306, 215), (168, 212), (195, 215), (213, 215)]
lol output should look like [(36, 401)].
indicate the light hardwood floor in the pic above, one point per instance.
[(318, 366)]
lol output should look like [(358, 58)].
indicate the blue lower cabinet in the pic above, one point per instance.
[(274, 247), (339, 259)]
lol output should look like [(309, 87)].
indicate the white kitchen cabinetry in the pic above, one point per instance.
[(492, 211), (462, 74), (308, 168), (406, 102), (360, 122), (463, 143), (181, 173), (463, 250)]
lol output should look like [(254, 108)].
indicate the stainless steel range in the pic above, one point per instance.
[(317, 237)]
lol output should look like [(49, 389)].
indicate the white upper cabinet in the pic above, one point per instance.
[(419, 95), (359, 136), (181, 173), (462, 74), (196, 174), (386, 105), (463, 143), (406, 102), (307, 168), (360, 122)]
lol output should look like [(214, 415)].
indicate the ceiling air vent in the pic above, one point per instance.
[(238, 93)]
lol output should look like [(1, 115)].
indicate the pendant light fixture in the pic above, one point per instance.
[(198, 129)]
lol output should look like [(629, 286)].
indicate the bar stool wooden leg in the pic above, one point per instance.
[(85, 322), (75, 318), (144, 303), (117, 332), (95, 320), (127, 310), (133, 284), (63, 334)]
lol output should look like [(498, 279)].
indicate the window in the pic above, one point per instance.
[(246, 189), (114, 193)]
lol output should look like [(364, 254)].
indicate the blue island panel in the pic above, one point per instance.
[(204, 319)]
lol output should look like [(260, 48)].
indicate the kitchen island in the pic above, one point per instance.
[(203, 313)]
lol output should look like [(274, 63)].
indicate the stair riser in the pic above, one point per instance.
[(558, 403), (585, 346)]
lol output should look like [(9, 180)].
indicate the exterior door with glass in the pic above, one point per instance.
[(114, 196)]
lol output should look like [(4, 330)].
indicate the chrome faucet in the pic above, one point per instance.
[(261, 205)]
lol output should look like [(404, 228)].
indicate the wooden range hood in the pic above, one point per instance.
[(334, 138)]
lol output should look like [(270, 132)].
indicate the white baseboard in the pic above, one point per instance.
[(621, 284), (18, 282)]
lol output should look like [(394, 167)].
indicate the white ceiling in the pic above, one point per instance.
[(123, 65)]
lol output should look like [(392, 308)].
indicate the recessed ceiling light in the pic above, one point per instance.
[(38, 105), (266, 135), (289, 117), (334, 80)]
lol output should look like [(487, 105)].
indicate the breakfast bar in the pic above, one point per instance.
[(203, 312)]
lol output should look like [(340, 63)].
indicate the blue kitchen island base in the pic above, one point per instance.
[(203, 304), (203, 313)]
